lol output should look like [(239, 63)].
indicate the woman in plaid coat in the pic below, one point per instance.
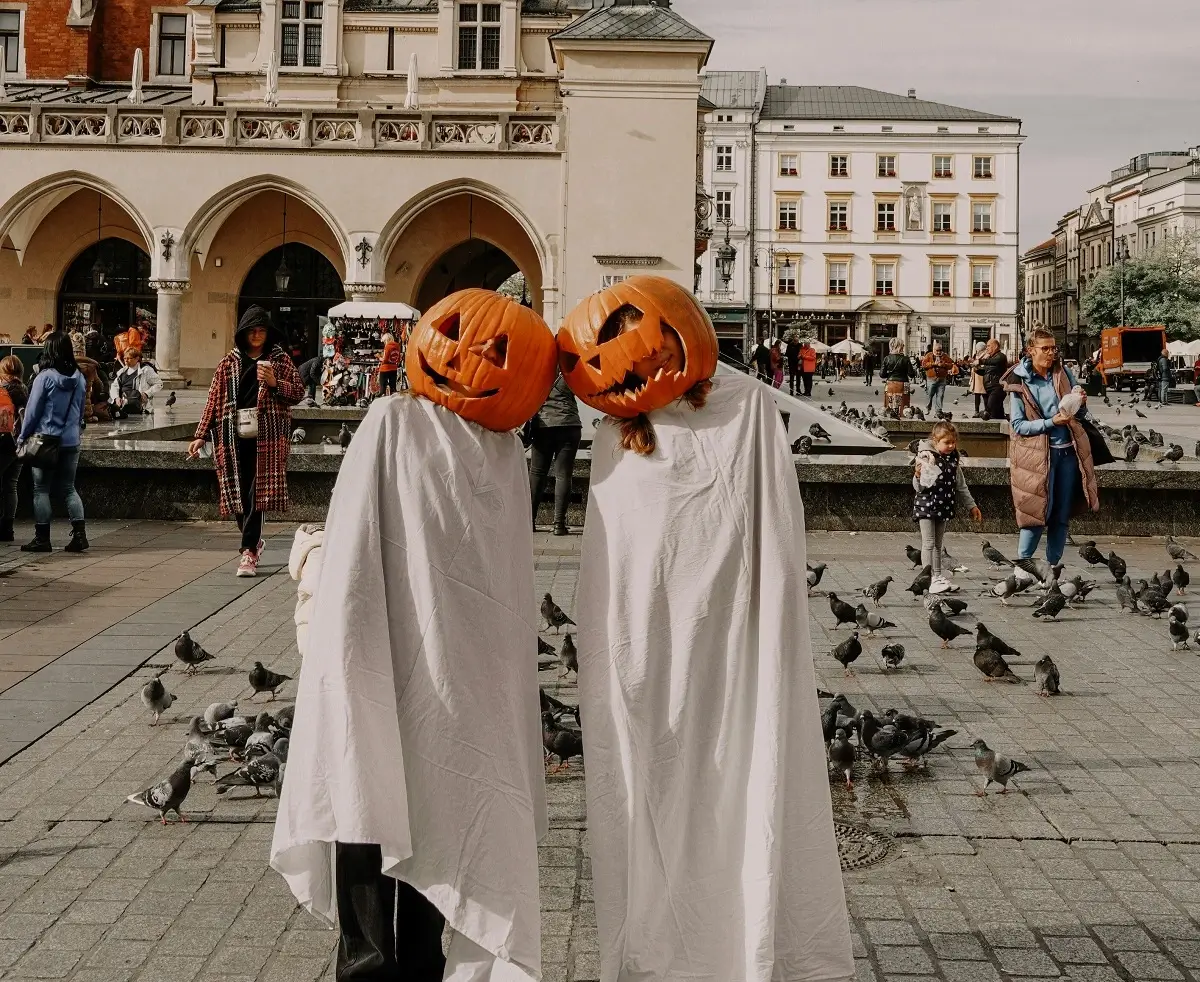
[(251, 469)]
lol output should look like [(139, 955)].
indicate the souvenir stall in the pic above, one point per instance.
[(351, 344)]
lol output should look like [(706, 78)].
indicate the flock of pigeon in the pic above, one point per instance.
[(345, 435), (851, 734), (560, 737), (257, 744)]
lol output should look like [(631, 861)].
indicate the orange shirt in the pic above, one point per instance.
[(389, 358), (808, 359)]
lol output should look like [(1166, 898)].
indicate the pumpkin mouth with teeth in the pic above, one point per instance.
[(450, 386)]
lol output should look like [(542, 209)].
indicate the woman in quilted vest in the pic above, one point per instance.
[(1049, 456)]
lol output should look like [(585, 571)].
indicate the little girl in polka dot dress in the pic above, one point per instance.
[(940, 487)]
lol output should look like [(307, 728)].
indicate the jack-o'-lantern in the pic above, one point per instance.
[(484, 357), (636, 346)]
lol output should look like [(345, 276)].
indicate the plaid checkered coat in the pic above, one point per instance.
[(218, 423)]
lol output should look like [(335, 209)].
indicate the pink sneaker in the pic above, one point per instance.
[(248, 565)]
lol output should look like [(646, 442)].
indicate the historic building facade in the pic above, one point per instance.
[(381, 149)]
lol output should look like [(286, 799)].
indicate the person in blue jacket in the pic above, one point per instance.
[(55, 410)]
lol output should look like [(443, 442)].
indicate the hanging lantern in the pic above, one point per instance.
[(283, 275), (99, 269)]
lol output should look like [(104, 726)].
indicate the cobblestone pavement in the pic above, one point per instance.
[(1089, 870)]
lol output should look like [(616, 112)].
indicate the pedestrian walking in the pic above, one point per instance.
[(868, 367), (555, 435), (898, 374), (762, 361), (1050, 453), (49, 441), (940, 488), (249, 420), (792, 353), (936, 365), (992, 367), (389, 364), (808, 366), (133, 386), (12, 373), (978, 389)]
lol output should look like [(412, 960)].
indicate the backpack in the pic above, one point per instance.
[(8, 413)]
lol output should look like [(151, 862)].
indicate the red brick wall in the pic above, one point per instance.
[(53, 50), (127, 26)]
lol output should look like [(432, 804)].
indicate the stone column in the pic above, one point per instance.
[(361, 292), (167, 331)]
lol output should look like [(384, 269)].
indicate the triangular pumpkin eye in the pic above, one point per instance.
[(449, 327), (569, 361), (595, 362), (494, 350)]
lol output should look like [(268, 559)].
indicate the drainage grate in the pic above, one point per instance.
[(858, 848)]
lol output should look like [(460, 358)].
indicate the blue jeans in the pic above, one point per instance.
[(59, 481), (1164, 389), (1064, 481), (937, 394)]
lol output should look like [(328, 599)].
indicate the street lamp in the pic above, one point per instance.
[(99, 270), (283, 275), (1122, 256), (726, 254), (769, 253)]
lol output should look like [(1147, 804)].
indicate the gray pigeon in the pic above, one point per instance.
[(1091, 555), (803, 446), (1173, 454), (921, 742), (841, 610), (1179, 633), (264, 680), (1004, 589), (839, 708), (815, 573), (993, 666), (560, 741), (218, 711), (996, 768), (893, 655), (156, 698), (568, 657), (1132, 448), (171, 400), (880, 741), (876, 590), (344, 437), (1178, 552), (993, 555), (190, 653), (169, 794), (922, 582), (870, 621), (818, 432), (841, 755), (1116, 566), (914, 555), (943, 627), (261, 772), (261, 737), (1045, 673), (553, 614), (848, 652), (1052, 606), (986, 639), (1125, 596)]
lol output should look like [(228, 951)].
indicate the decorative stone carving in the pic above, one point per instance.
[(335, 131), (269, 129), (364, 250), (466, 134), (82, 126), (171, 286), (397, 131), (202, 128), (914, 208), (139, 127), (14, 124), (168, 244), (532, 134)]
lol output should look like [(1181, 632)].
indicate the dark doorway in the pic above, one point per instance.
[(473, 263), (126, 298), (313, 287)]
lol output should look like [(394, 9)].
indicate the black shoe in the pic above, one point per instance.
[(6, 531), (79, 542), (560, 528), (41, 540)]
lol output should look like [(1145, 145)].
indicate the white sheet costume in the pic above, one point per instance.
[(709, 817), (417, 722)]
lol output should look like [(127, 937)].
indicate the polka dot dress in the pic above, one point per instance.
[(937, 501)]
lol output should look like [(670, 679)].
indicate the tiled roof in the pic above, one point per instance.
[(631, 22), (1047, 246), (732, 90), (544, 7), (856, 102), (63, 95)]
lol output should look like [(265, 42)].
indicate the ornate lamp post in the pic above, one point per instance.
[(283, 275), (99, 270), (726, 256), (769, 255)]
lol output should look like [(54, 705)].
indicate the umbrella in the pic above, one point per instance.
[(818, 346), (846, 347), (1178, 348), (135, 91), (272, 95), (411, 100), (1193, 348), (3, 92)]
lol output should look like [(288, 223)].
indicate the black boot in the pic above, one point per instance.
[(79, 542), (560, 528), (6, 530), (41, 540)]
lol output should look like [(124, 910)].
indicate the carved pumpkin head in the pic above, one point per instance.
[(484, 357), (637, 346)]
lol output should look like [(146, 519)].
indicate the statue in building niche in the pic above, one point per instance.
[(914, 208)]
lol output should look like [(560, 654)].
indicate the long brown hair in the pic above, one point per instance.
[(637, 434)]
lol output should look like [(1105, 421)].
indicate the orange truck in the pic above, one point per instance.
[(1127, 353)]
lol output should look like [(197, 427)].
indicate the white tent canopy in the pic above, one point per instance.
[(818, 346), (373, 309), (847, 347), (1178, 348)]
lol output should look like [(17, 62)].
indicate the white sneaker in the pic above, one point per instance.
[(939, 584)]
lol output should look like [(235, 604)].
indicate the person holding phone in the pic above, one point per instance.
[(248, 418)]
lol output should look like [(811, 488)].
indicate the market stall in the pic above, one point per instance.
[(351, 344)]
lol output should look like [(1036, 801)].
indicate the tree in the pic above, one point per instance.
[(514, 287), (1161, 287)]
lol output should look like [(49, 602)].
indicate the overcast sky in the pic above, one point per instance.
[(1094, 81)]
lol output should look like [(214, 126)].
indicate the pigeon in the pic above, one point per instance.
[(299, 435), (842, 755), (1181, 578), (943, 627), (993, 666), (1196, 449), (818, 432), (921, 742), (986, 639), (284, 718), (950, 605), (1173, 454), (1116, 566), (545, 647), (1179, 633), (1179, 612), (261, 772), (561, 742), (261, 737), (198, 749), (218, 711), (1091, 555), (803, 446), (1045, 673), (280, 747), (815, 573), (553, 614), (264, 680), (847, 652), (190, 653), (171, 400), (922, 582), (842, 611), (870, 621), (995, 767), (1039, 569), (168, 795), (560, 710), (914, 555), (344, 437), (1178, 552), (1125, 596), (993, 555), (876, 590), (1132, 447), (329, 441), (893, 655), (1052, 606), (1140, 414), (1156, 440), (1004, 589), (568, 657), (880, 741), (156, 698), (838, 708)]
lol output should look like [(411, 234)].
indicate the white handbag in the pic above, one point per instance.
[(247, 423)]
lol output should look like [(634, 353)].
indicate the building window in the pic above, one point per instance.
[(10, 40), (981, 281), (839, 279), (788, 214), (724, 206), (885, 165), (786, 279), (885, 216), (943, 216), (981, 216), (479, 37), (943, 166), (942, 274), (981, 167), (885, 279), (300, 30), (839, 165), (724, 156), (839, 216), (789, 165), (724, 117), (612, 279), (172, 44)]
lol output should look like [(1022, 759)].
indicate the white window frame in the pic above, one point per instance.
[(19, 10), (301, 38), (879, 266), (934, 279), (784, 169), (943, 156), (830, 279), (787, 262), (978, 166), (983, 210), (725, 206), (157, 14), (880, 205), (843, 168), (991, 279), (882, 169), (845, 203), (933, 217), (723, 163), (793, 207), (612, 279), (479, 25)]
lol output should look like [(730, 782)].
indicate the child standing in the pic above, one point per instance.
[(940, 486)]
